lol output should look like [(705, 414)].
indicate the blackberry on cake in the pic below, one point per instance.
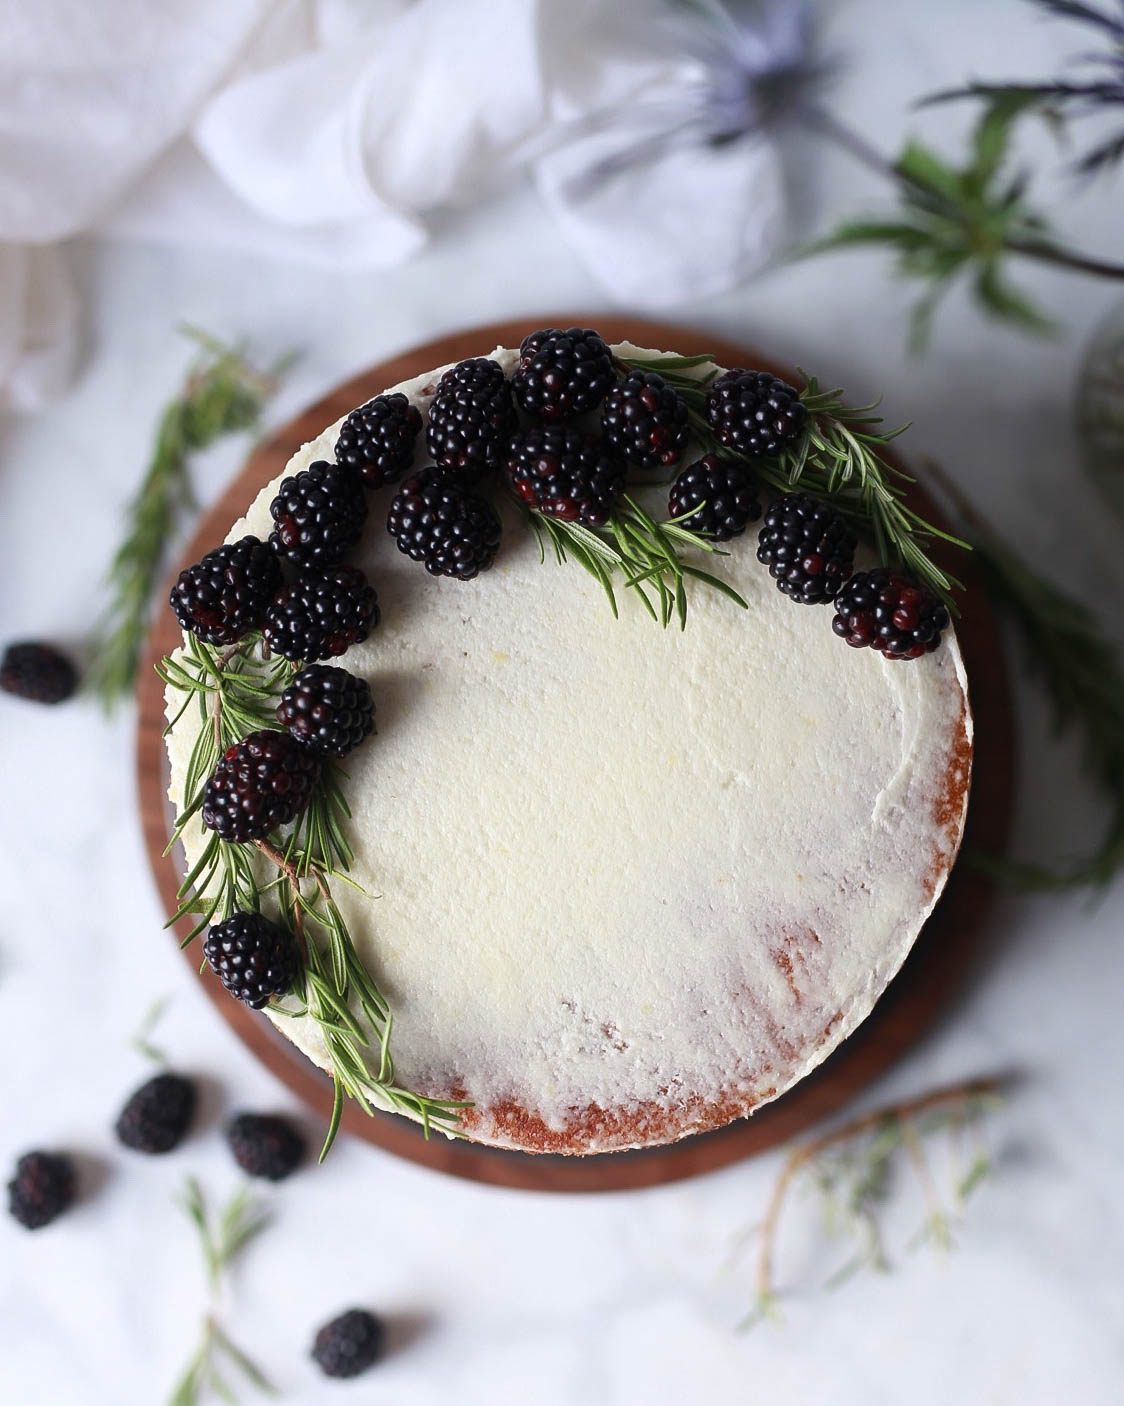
[(319, 515), (349, 1344), (645, 421), (754, 412), (884, 610), (377, 439), (41, 1189), (471, 419), (444, 525), (225, 595), (38, 672), (715, 497), (327, 710), (265, 1145), (157, 1116), (563, 473), (562, 373), (259, 783), (321, 615), (254, 958), (808, 547)]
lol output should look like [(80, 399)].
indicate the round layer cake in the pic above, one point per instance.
[(624, 884)]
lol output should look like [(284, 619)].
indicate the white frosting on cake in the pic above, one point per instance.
[(622, 867)]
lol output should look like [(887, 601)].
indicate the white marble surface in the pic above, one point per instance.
[(562, 1301)]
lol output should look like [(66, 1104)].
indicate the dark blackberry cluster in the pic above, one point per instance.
[(252, 957), (37, 672), (158, 1115), (562, 473), (720, 496), (562, 374), (321, 615), (42, 1188), (327, 710), (224, 596), (319, 515), (439, 522), (886, 611), (349, 1344), (808, 548), (259, 783), (377, 440), (754, 412), (471, 419), (645, 421), (265, 1145)]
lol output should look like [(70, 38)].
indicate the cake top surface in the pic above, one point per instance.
[(624, 883)]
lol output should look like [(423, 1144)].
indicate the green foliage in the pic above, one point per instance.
[(958, 222), (222, 395), (236, 692)]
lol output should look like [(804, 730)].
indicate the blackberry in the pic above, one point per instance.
[(349, 1344), (265, 1145), (377, 439), (37, 672), (224, 596), (439, 522), (720, 496), (888, 612), (321, 615), (808, 548), (42, 1188), (564, 474), (562, 374), (754, 412), (259, 783), (645, 421), (472, 419), (319, 514), (252, 957), (327, 710), (157, 1115)]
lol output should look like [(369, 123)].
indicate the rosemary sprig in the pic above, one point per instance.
[(222, 394), (838, 459), (221, 1241), (850, 1167), (235, 693), (645, 554), (142, 1038), (1082, 672)]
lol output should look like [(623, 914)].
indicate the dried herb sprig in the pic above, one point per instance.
[(837, 459), (222, 394), (1082, 672), (236, 692), (221, 1242), (850, 1167)]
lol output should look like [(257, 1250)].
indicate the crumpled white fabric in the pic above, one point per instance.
[(330, 131)]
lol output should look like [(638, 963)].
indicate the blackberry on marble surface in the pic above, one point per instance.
[(349, 1344), (157, 1116), (41, 1189), (265, 1145), (37, 672)]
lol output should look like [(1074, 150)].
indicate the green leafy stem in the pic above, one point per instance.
[(837, 459), (236, 692)]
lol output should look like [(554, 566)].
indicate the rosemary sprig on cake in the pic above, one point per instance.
[(817, 444), (303, 952)]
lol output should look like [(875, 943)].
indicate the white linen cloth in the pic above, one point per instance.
[(331, 131)]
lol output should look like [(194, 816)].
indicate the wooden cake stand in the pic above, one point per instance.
[(940, 958)]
